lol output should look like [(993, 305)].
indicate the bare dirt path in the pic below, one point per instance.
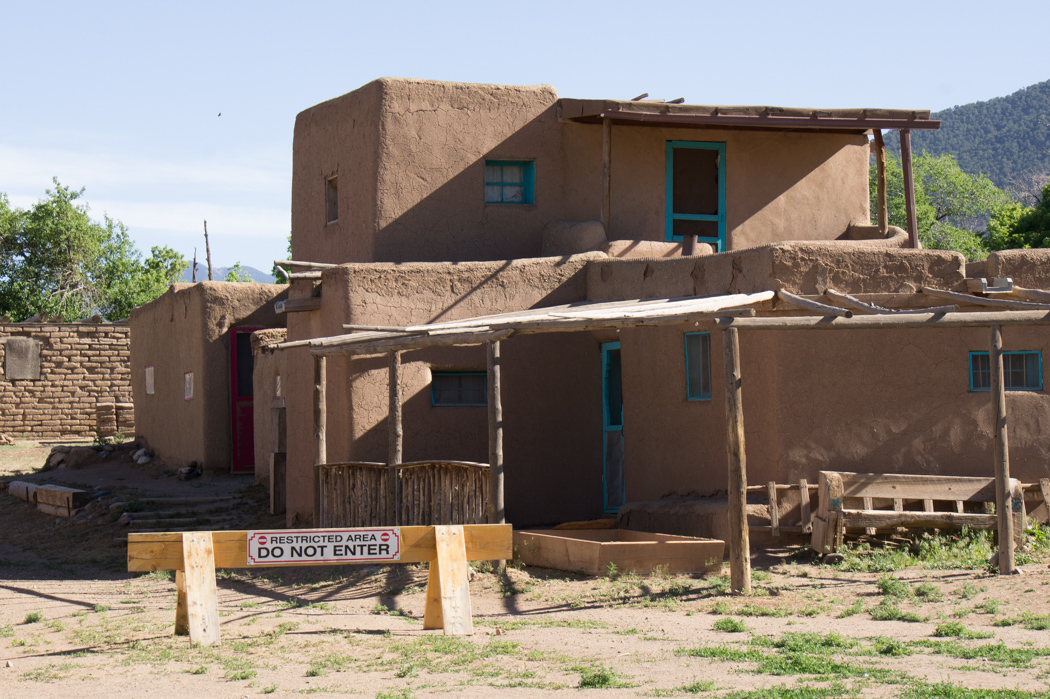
[(74, 623)]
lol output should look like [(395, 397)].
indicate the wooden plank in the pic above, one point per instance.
[(163, 550), (1044, 489), (855, 519), (959, 506), (310, 303), (916, 487), (202, 599), (909, 189), (452, 568), (23, 490), (918, 320), (395, 436), (54, 510), (182, 618), (829, 506), (739, 543), (803, 493), (1001, 454), (927, 505), (774, 515), (870, 531), (815, 306), (432, 618), (61, 496)]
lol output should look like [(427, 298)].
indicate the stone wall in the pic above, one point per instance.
[(80, 366)]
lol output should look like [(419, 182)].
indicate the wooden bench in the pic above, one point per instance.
[(194, 556), (886, 500)]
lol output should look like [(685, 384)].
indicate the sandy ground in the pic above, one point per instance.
[(73, 622)]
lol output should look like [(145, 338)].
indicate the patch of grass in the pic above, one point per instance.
[(239, 675), (395, 694), (1027, 620), (55, 625), (796, 692), (33, 618), (989, 606), (969, 590), (160, 575), (49, 673), (892, 587), (856, 608), (955, 629), (333, 662), (758, 610), (7, 631), (730, 625), (383, 609), (269, 689), (724, 653), (890, 646), (600, 677), (99, 608), (695, 687), (249, 605), (928, 592), (946, 690), (887, 610), (994, 653), (199, 670)]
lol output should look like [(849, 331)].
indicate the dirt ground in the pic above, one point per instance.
[(73, 622)]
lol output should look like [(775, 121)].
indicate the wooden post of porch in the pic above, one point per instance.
[(739, 540), (880, 170), (496, 513), (1001, 454), (320, 428), (395, 438), (909, 189), (606, 175)]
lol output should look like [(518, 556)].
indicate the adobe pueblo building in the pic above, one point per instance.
[(509, 304)]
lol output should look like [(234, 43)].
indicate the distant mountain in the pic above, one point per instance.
[(219, 273), (1005, 138)]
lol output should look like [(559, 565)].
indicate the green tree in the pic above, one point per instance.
[(236, 273), (54, 259), (1019, 227), (278, 273), (952, 207)]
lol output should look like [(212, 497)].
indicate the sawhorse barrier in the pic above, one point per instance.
[(194, 556)]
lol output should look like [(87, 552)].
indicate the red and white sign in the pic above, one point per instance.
[(324, 546)]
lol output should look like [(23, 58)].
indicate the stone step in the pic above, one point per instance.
[(203, 500)]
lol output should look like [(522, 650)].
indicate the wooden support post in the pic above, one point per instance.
[(803, 492), (320, 429), (867, 505), (182, 617), (774, 515), (496, 513), (432, 618), (880, 169), (1001, 455), (739, 544), (909, 189), (606, 176), (202, 600), (395, 436), (451, 563)]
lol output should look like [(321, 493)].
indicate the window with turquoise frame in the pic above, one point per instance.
[(1022, 371), (696, 192), (698, 366), (458, 388), (509, 181)]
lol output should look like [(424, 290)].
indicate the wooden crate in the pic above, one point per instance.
[(591, 551)]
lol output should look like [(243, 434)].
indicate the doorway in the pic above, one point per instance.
[(242, 400), (696, 192), (613, 480)]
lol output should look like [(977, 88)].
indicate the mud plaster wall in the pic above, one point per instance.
[(187, 330), (81, 365), (411, 154), (1028, 268), (268, 374), (864, 400), (551, 384)]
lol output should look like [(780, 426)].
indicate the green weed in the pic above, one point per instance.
[(928, 592), (99, 608), (856, 608), (600, 678), (892, 587), (730, 625), (33, 618), (887, 610), (955, 629)]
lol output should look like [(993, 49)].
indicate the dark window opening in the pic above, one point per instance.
[(331, 199), (459, 388), (1022, 371), (698, 365)]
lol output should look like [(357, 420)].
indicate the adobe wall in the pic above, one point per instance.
[(549, 382), (268, 378), (81, 365), (413, 153), (1028, 268), (187, 330)]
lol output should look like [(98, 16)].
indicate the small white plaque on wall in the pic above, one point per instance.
[(149, 381), (188, 381)]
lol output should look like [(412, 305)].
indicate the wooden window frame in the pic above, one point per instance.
[(719, 243)]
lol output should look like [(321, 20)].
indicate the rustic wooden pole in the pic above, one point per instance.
[(395, 437), (606, 175), (880, 169), (739, 544), (497, 514), (207, 248), (1001, 453), (909, 189), (320, 427)]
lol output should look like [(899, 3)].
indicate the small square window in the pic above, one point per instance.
[(331, 198), (1022, 371), (698, 366), (459, 388), (509, 181)]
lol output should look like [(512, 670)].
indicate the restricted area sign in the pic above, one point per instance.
[(324, 546)]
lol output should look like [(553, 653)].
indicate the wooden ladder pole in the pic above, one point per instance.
[(320, 430), (739, 541), (395, 436), (1001, 455)]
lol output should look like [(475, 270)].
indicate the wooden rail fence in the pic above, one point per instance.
[(356, 494)]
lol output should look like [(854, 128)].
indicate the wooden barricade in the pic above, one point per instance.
[(356, 494), (883, 496), (775, 492), (196, 555)]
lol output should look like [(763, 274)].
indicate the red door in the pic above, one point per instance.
[(242, 419)]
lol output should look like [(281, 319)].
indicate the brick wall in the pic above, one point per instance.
[(81, 365)]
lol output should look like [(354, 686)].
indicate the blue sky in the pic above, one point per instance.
[(123, 98)]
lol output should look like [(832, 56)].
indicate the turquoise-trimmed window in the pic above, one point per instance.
[(458, 388), (509, 181), (1022, 371), (696, 192), (698, 366)]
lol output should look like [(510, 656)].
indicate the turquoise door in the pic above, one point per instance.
[(696, 192), (612, 427)]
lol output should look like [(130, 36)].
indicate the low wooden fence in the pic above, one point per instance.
[(354, 494)]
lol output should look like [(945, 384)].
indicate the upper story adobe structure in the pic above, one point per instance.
[(414, 170)]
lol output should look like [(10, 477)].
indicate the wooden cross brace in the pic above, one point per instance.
[(194, 556)]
